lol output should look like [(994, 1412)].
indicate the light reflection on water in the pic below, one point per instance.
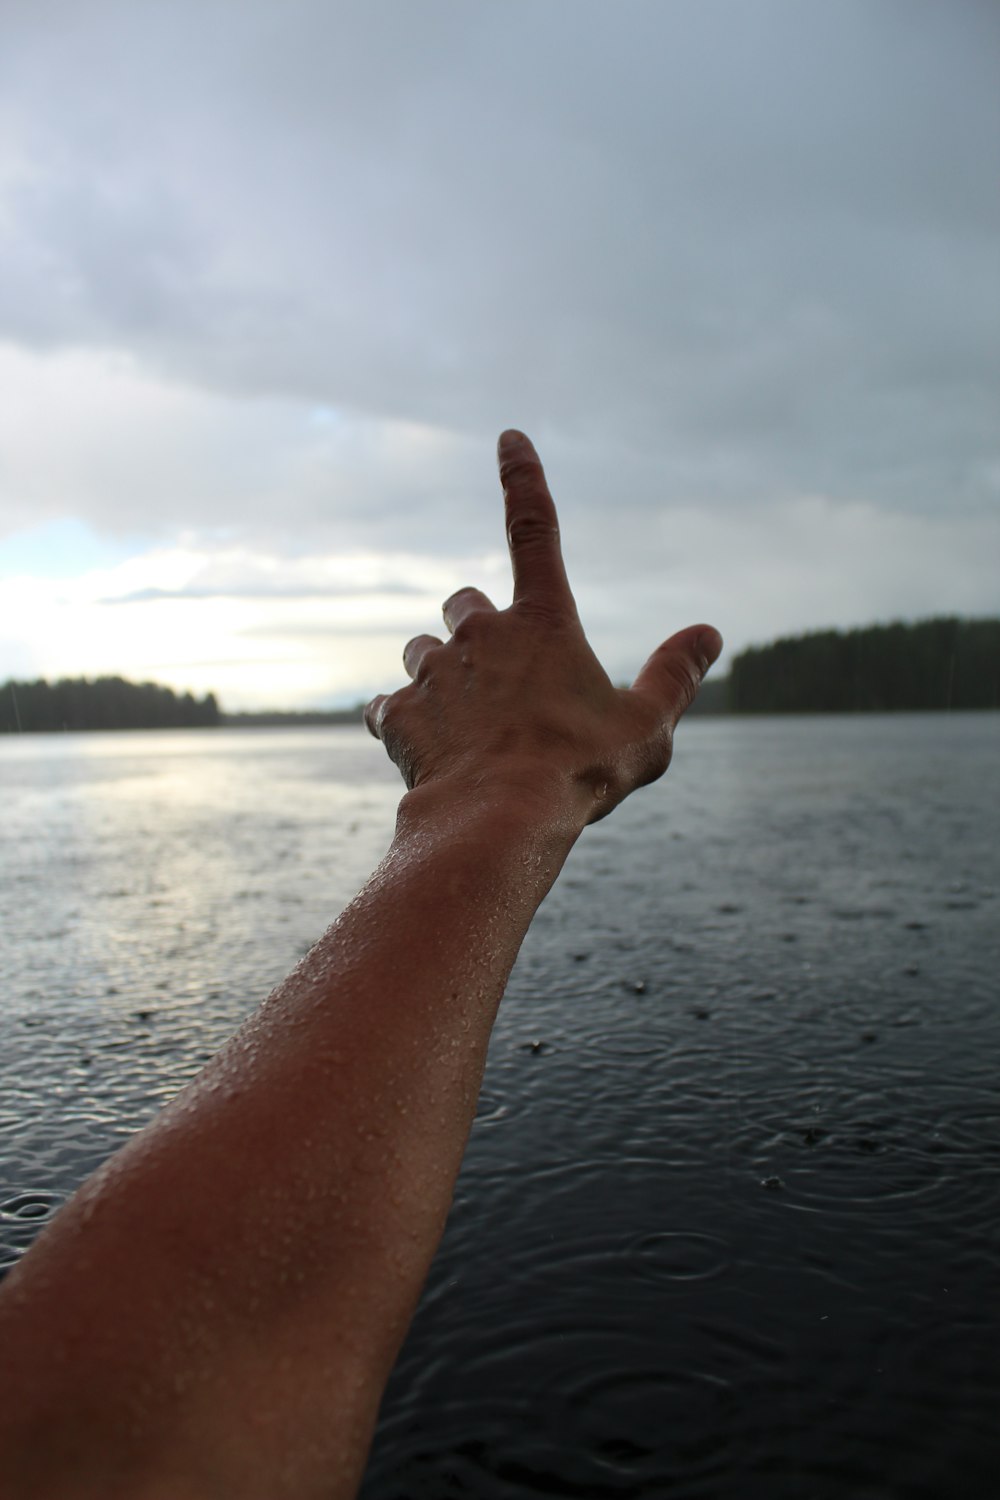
[(728, 1221)]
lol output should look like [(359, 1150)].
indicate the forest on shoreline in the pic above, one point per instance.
[(938, 664), (76, 703)]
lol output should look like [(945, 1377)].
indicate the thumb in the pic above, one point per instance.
[(673, 674)]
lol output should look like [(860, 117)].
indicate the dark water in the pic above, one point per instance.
[(729, 1222)]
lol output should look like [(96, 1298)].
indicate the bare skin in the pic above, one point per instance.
[(214, 1314)]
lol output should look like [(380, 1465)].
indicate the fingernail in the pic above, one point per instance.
[(708, 647), (372, 714), (511, 440)]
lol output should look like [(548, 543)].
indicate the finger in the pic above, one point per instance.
[(673, 674), (532, 526), (373, 714), (465, 602), (414, 652)]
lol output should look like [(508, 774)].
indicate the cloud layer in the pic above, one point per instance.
[(275, 276)]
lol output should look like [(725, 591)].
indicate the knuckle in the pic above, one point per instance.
[(394, 726), (655, 756), (518, 470), (684, 679), (371, 715), (550, 613), (469, 629), (459, 594), (384, 720), (391, 715), (531, 529), (427, 664)]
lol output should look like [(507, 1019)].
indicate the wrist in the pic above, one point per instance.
[(516, 812)]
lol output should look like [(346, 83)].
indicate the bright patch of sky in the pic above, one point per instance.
[(60, 548)]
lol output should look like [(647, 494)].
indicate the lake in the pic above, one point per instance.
[(729, 1221)]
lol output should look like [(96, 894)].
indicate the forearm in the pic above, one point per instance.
[(216, 1311), (260, 1247)]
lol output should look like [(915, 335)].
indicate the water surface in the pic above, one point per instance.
[(728, 1221)]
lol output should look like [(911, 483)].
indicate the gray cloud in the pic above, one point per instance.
[(398, 631), (154, 595), (717, 256)]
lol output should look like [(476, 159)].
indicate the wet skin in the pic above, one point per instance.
[(216, 1311)]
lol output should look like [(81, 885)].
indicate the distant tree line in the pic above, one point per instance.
[(279, 718), (105, 703), (933, 664), (712, 698)]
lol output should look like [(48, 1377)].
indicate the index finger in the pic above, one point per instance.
[(532, 526)]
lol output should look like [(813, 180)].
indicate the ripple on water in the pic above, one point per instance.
[(618, 1309), (32, 1206), (560, 1409), (855, 1147), (491, 1109), (22, 1215), (673, 1256)]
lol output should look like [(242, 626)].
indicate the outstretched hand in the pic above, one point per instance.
[(516, 702), (351, 1090)]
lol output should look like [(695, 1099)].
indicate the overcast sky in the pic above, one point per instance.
[(274, 275)]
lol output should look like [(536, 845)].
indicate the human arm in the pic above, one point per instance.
[(216, 1311)]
